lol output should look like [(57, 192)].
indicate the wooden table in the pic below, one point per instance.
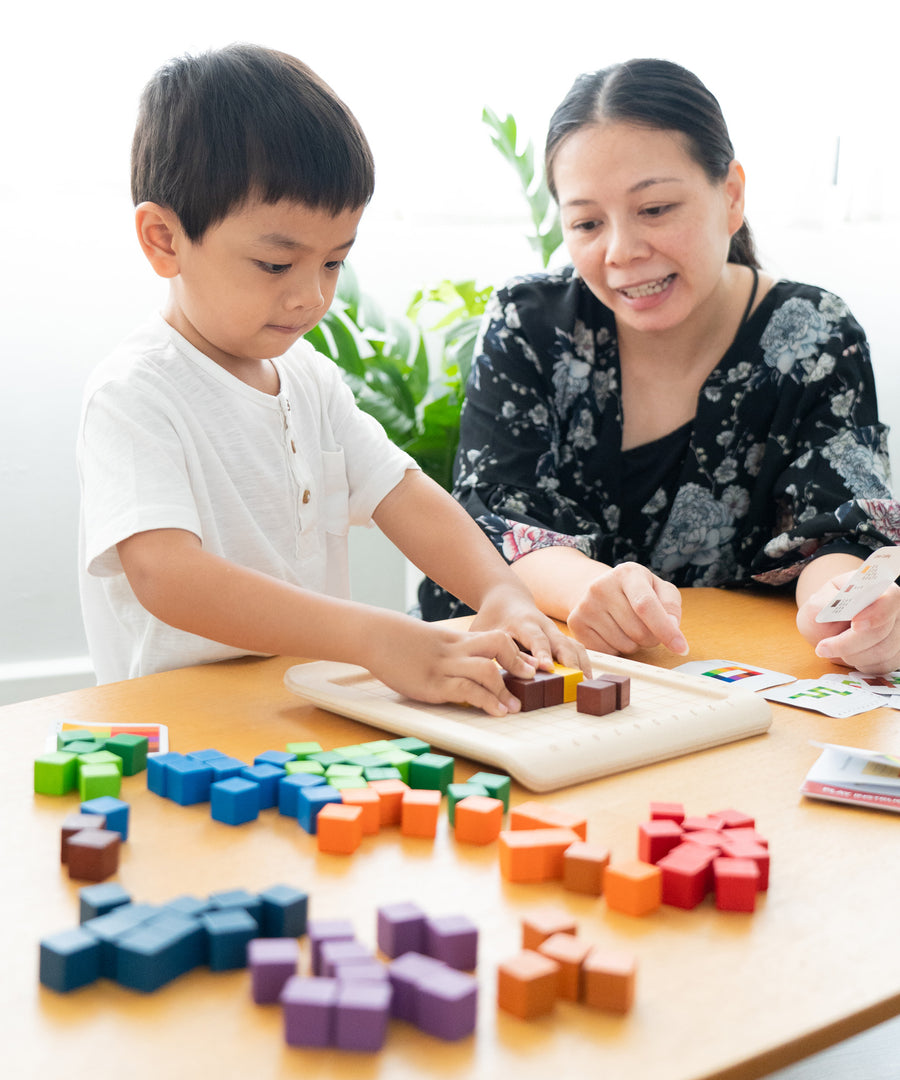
[(719, 994)]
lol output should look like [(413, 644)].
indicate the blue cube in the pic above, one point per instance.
[(69, 959), (284, 911), (158, 771), (274, 757), (114, 810), (96, 900), (267, 776), (289, 788), (206, 755), (188, 782), (310, 801), (109, 930), (158, 951), (231, 899), (234, 801), (223, 768)]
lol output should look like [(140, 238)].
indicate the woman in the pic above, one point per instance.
[(661, 413)]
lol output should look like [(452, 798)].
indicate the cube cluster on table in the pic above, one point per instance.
[(93, 766)]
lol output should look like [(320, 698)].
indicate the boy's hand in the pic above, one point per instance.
[(436, 663), (627, 608), (870, 642), (512, 610)]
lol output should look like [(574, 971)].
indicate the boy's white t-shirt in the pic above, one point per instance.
[(170, 440)]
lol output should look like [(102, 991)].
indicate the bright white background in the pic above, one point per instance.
[(793, 78)]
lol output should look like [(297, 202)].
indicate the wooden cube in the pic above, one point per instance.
[(584, 865), (478, 819), (634, 887), (93, 854), (609, 979), (569, 952), (339, 828), (527, 985)]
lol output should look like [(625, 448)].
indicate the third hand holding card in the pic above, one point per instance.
[(868, 583)]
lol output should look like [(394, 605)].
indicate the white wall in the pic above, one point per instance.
[(792, 78)]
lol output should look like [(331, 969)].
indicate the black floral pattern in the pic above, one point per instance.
[(786, 456)]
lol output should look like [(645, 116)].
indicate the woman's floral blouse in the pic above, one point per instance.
[(784, 459)]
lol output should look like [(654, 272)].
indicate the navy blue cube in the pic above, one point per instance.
[(69, 959), (111, 928), (231, 899), (284, 911), (234, 801), (96, 900), (228, 933), (158, 951)]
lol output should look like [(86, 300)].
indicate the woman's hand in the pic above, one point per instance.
[(870, 642), (627, 607)]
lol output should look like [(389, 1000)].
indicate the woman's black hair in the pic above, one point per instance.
[(213, 130), (655, 94)]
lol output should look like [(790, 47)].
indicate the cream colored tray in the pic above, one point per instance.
[(670, 714)]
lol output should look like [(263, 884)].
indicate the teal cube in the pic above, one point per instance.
[(498, 786), (457, 792), (410, 745)]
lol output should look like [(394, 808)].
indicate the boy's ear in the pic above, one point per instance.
[(158, 231)]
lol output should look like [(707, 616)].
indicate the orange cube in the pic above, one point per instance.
[(531, 855), (339, 830), (391, 795), (419, 809), (584, 865), (569, 952), (608, 979), (527, 985), (543, 924), (370, 801), (634, 887), (537, 815), (478, 819)]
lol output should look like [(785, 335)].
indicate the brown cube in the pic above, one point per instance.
[(553, 687), (74, 823), (93, 854), (622, 684), (530, 692), (569, 952), (609, 977), (596, 697), (544, 923), (527, 984)]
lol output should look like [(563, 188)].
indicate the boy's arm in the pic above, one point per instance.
[(189, 588), (443, 541)]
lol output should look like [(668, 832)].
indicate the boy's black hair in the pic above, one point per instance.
[(244, 121)]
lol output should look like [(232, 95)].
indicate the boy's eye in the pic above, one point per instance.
[(273, 268)]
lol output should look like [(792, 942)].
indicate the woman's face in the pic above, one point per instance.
[(646, 229)]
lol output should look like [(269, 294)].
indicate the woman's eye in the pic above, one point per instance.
[(337, 265), (657, 211), (274, 268), (584, 226)]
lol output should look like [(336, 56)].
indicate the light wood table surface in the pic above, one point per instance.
[(718, 994)]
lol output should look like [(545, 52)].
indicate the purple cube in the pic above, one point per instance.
[(453, 939), (406, 973), (361, 1019), (335, 952), (401, 929), (447, 1004), (322, 930), (370, 970), (272, 961), (309, 1011)]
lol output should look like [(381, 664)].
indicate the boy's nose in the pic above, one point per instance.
[(307, 293)]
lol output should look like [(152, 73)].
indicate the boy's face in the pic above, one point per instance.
[(258, 280)]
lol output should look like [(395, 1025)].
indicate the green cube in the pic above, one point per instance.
[(326, 757), (399, 759), (381, 773), (63, 738), (101, 757), (433, 771), (303, 749), (84, 746), (457, 792), (314, 767), (343, 770), (497, 786), (55, 773), (343, 782), (97, 780), (349, 751), (377, 746), (132, 749), (410, 745)]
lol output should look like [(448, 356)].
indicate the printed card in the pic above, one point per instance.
[(868, 583), (734, 675), (888, 685), (831, 695)]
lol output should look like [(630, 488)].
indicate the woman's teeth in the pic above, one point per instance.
[(651, 288)]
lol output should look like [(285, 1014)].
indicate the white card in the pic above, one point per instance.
[(888, 685), (735, 676), (832, 698), (868, 583)]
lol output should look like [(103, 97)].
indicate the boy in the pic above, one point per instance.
[(222, 459)]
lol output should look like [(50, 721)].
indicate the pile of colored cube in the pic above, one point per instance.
[(554, 964), (146, 946), (680, 859), (598, 696), (91, 765), (340, 795), (350, 994), (90, 839)]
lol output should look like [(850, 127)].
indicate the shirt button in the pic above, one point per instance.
[(306, 496)]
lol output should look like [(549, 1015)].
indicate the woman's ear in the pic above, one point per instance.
[(158, 231), (734, 194)]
